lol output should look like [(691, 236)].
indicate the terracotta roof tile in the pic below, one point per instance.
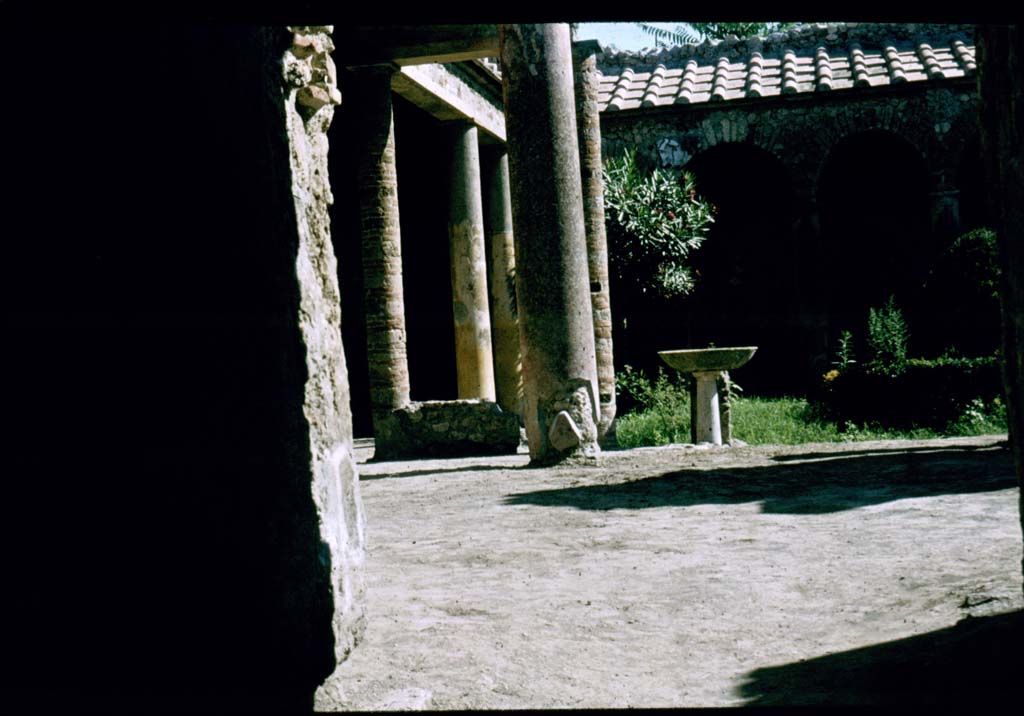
[(814, 58)]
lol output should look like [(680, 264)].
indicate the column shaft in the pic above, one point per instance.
[(587, 83), (508, 377), (473, 356), (556, 324), (708, 426), (381, 245)]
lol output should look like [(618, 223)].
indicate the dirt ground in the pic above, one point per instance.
[(877, 572)]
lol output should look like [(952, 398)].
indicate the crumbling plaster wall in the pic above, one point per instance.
[(309, 108), (188, 516)]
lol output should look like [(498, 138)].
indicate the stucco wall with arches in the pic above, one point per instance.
[(934, 122)]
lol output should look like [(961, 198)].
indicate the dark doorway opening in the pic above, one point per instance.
[(875, 238), (746, 270)]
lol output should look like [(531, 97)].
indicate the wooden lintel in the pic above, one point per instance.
[(404, 45)]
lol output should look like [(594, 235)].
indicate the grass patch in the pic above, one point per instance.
[(662, 416)]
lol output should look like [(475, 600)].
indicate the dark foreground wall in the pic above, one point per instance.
[(1001, 86), (182, 522)]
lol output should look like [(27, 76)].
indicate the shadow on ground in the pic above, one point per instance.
[(884, 451), (438, 471), (831, 483), (975, 663)]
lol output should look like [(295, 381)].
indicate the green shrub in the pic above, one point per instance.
[(935, 394), (962, 297), (658, 410), (887, 340), (635, 391), (654, 220), (977, 255)]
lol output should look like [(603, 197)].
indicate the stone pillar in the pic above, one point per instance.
[(334, 484), (473, 356), (707, 428), (508, 377), (383, 299), (1001, 90), (556, 324), (587, 83)]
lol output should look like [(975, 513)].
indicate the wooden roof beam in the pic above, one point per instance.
[(413, 44)]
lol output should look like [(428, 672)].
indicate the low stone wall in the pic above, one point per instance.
[(447, 428)]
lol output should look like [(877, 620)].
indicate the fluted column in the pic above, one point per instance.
[(587, 83), (556, 324), (381, 247), (473, 355), (508, 377)]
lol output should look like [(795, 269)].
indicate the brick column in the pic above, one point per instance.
[(508, 377), (587, 83), (556, 324), (383, 299), (473, 357)]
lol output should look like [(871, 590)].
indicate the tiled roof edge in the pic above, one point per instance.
[(800, 37)]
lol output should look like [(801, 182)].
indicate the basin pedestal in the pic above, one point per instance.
[(706, 417), (709, 396)]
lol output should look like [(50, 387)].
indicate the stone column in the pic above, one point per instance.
[(508, 377), (473, 356), (383, 300), (556, 324), (587, 83)]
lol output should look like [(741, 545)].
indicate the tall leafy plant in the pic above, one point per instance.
[(887, 339), (654, 220)]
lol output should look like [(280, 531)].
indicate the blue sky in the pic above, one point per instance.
[(624, 35)]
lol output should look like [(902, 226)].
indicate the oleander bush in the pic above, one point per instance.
[(654, 220)]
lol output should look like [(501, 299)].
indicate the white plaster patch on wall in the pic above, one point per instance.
[(671, 153)]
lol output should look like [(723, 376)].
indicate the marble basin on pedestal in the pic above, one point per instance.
[(709, 367), (693, 360)]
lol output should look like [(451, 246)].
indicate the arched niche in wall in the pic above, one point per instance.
[(963, 312), (972, 185), (747, 288), (872, 196)]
